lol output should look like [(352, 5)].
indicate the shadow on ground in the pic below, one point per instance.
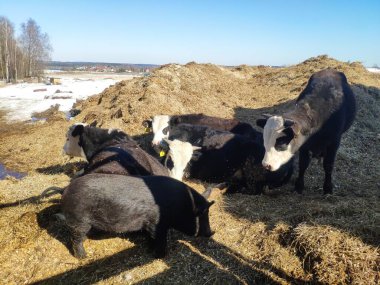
[(205, 258)]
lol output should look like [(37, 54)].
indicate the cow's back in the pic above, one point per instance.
[(215, 123), (328, 103), (125, 158)]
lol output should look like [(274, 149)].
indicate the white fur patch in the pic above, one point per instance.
[(71, 146), (180, 153), (159, 123), (273, 130)]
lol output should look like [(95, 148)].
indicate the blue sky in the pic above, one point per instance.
[(220, 32)]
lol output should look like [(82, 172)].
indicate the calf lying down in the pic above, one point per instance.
[(161, 125), (110, 151), (221, 156), (117, 203)]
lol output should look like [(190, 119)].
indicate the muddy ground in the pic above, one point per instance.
[(276, 238)]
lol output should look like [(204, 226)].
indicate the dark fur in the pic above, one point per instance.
[(220, 124), (115, 153), (206, 137), (223, 154), (117, 203), (324, 110)]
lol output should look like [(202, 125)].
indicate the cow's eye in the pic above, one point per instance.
[(165, 130), (281, 144)]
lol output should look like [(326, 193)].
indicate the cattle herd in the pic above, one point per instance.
[(124, 188)]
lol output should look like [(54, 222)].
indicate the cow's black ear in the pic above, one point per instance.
[(77, 131), (175, 120), (147, 124), (261, 122), (93, 124), (211, 203)]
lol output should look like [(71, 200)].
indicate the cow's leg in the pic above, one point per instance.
[(79, 233), (160, 241), (328, 166), (304, 161)]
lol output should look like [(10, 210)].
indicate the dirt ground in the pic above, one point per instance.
[(276, 238)]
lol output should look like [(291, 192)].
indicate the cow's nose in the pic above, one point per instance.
[(267, 166)]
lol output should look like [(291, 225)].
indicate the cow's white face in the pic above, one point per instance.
[(160, 128), (72, 147), (180, 153), (278, 149)]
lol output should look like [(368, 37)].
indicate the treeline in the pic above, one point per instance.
[(22, 56), (89, 66)]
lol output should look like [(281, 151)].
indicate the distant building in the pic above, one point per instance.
[(55, 80)]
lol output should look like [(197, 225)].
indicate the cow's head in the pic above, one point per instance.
[(160, 126), (280, 141), (84, 141), (180, 153), (73, 145)]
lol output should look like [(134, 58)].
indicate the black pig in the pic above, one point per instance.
[(118, 203)]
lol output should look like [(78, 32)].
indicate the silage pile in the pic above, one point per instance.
[(278, 238)]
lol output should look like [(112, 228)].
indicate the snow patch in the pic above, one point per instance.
[(373, 69), (20, 100)]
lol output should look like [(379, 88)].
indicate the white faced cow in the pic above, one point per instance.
[(324, 110), (178, 156)]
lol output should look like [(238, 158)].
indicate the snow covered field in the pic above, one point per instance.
[(373, 69), (19, 101)]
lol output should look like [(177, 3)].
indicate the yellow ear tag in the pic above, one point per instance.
[(147, 130), (162, 153)]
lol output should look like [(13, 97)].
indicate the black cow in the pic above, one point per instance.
[(110, 151), (324, 110), (117, 203)]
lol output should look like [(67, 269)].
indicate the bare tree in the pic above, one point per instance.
[(6, 39), (36, 47)]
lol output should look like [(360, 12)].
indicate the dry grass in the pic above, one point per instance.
[(277, 238)]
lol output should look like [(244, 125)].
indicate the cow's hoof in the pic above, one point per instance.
[(327, 188)]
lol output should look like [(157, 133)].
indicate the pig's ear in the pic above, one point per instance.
[(77, 131)]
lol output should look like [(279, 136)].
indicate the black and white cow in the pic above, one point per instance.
[(110, 151), (221, 156), (161, 125), (118, 203), (324, 110)]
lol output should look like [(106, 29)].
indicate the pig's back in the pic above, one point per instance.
[(109, 202)]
